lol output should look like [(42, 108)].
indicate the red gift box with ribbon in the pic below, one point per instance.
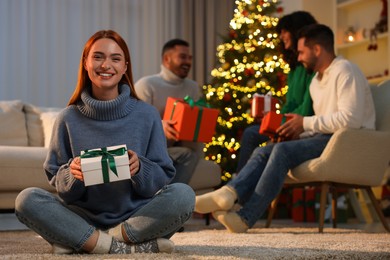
[(271, 123), (304, 204), (261, 104), (194, 120)]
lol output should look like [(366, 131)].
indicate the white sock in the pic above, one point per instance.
[(221, 199), (116, 232), (231, 220), (103, 244)]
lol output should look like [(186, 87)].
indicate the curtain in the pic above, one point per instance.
[(42, 40)]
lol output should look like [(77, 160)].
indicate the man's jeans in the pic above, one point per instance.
[(45, 214), (262, 178), (185, 160), (251, 139)]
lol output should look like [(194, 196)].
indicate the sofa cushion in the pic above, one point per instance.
[(22, 167), (12, 117), (34, 125), (35, 131), (48, 119)]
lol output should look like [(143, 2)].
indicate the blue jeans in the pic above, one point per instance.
[(184, 160), (45, 214), (262, 178), (251, 139)]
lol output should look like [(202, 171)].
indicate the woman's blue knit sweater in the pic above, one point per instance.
[(94, 124)]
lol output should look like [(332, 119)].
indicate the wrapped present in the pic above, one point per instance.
[(271, 123), (283, 210), (298, 205), (103, 165), (261, 104), (304, 205), (195, 121), (310, 197), (385, 193)]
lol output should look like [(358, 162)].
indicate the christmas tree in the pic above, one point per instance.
[(249, 62)]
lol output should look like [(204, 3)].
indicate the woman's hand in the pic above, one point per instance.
[(75, 168), (133, 162), (75, 165)]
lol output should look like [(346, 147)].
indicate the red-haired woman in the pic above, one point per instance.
[(134, 215)]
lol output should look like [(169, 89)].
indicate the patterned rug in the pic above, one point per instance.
[(286, 240)]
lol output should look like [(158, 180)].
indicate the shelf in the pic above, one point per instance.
[(362, 15), (376, 81), (348, 3), (363, 41)]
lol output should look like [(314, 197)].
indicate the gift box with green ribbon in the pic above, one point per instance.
[(195, 121), (303, 204), (103, 165)]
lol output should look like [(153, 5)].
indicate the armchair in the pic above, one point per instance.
[(353, 158)]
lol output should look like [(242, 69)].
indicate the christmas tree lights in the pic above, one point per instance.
[(249, 62)]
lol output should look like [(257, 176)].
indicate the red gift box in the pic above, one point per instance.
[(304, 205), (262, 104), (284, 206), (193, 122), (270, 123), (385, 192)]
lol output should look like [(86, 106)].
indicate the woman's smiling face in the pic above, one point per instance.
[(286, 38), (105, 64)]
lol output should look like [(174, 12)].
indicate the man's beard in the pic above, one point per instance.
[(309, 70), (310, 65)]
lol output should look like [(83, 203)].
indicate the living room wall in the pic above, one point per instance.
[(42, 40)]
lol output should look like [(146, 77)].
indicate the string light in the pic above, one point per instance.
[(249, 63)]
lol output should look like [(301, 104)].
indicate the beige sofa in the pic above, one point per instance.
[(24, 137)]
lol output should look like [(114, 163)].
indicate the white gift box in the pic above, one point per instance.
[(112, 158)]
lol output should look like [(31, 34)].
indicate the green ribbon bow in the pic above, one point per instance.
[(189, 101), (107, 160), (200, 104), (299, 203)]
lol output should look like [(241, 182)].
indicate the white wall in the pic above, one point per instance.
[(322, 10), (42, 40), (290, 6)]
